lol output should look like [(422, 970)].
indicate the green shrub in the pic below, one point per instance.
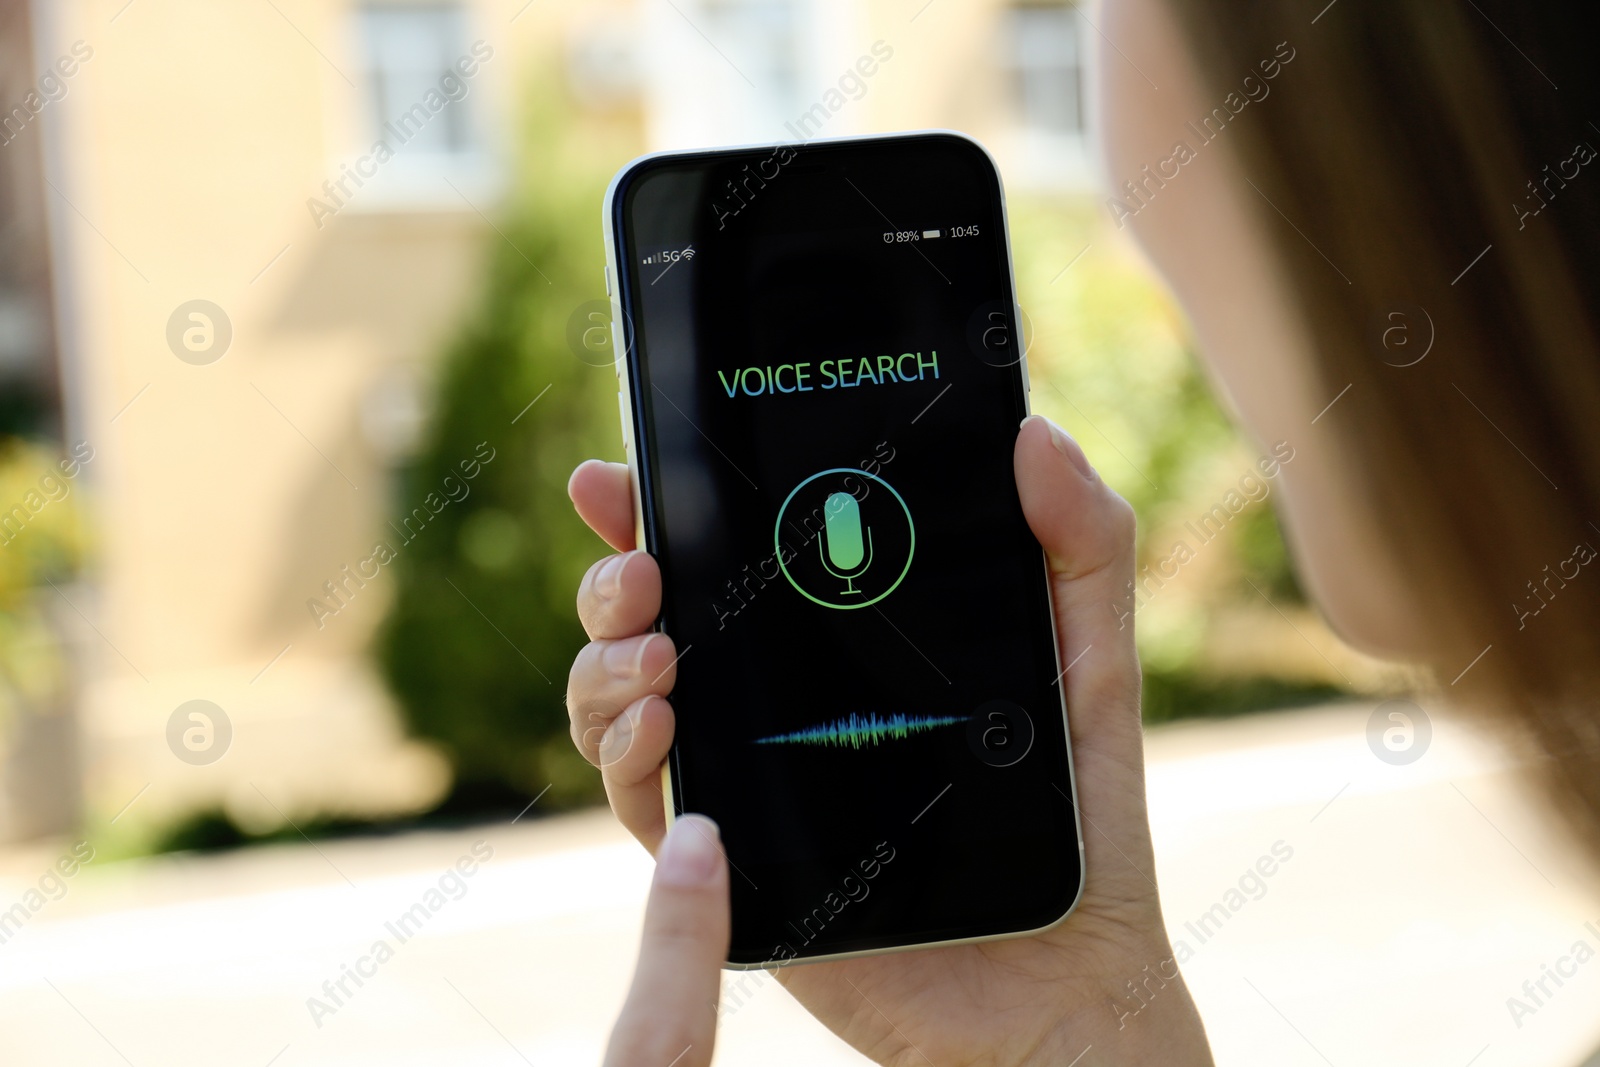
[(477, 645), (480, 637)]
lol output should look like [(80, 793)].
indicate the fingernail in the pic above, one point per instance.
[(608, 582), (624, 659), (689, 855), (1071, 449), (618, 738)]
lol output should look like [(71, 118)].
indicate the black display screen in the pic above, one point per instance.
[(827, 389)]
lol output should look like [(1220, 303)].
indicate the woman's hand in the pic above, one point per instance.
[(670, 1018), (1104, 979)]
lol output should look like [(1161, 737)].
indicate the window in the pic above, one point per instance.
[(1047, 60), (728, 71), (420, 141), (410, 52), (1048, 56), (764, 36)]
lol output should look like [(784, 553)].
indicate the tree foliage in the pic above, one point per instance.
[(477, 645)]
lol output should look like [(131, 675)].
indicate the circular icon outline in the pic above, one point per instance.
[(978, 728), (1382, 330), (1017, 322), (579, 324), (181, 323), (1381, 723), (181, 723), (602, 715), (777, 538)]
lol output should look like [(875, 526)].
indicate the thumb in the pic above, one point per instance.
[(1087, 533), (670, 1017)]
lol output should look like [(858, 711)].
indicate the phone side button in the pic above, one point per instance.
[(1027, 382), (608, 279), (627, 431)]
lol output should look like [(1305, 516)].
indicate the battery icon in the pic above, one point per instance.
[(928, 235)]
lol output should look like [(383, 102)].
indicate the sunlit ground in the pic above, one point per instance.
[(1416, 901)]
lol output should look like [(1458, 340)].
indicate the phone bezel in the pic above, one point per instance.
[(622, 338)]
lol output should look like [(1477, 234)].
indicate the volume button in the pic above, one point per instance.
[(627, 430), (608, 279)]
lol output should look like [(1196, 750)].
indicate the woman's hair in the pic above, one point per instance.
[(1433, 173)]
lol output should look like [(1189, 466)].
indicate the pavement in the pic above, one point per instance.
[(1406, 906)]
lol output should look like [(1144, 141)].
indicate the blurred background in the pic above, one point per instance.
[(275, 273)]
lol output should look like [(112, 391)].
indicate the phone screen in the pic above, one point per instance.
[(827, 386)]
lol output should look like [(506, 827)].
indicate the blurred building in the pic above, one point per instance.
[(236, 237)]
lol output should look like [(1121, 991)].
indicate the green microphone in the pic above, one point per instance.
[(842, 532)]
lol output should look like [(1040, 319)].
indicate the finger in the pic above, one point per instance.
[(631, 752), (670, 1016), (607, 676), (1087, 531), (603, 494), (620, 596)]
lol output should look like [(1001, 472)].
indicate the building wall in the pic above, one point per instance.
[(226, 493), (186, 159), (711, 77)]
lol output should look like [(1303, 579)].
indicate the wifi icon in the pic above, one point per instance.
[(689, 253)]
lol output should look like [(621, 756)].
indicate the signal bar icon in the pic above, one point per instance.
[(673, 256)]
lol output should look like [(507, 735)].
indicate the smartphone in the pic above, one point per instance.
[(821, 381)]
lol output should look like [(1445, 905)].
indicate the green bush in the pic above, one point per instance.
[(42, 544), (483, 629), (477, 645), (1111, 360)]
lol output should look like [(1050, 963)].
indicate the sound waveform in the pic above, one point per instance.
[(860, 731)]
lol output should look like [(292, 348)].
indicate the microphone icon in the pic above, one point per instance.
[(842, 534)]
